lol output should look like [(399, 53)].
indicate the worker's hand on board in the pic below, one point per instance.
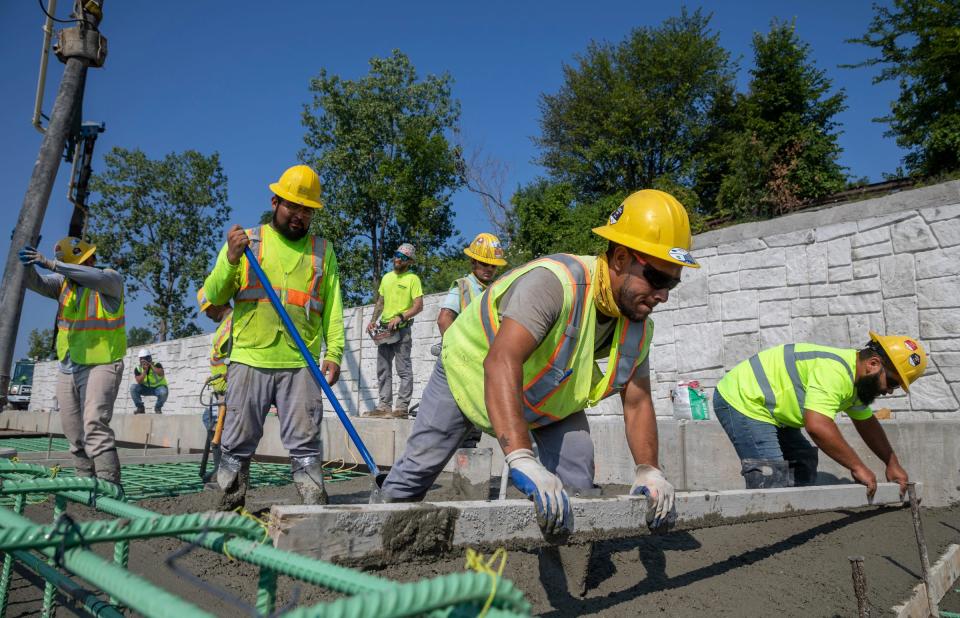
[(865, 476), (31, 257), (237, 241), (330, 371), (554, 514), (896, 474), (650, 482)]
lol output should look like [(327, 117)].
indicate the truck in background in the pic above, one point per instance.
[(21, 384)]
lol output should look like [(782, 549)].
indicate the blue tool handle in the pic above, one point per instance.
[(312, 364)]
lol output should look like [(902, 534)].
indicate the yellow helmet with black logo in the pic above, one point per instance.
[(73, 250), (906, 354), (654, 223)]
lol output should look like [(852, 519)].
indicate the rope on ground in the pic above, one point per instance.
[(475, 561)]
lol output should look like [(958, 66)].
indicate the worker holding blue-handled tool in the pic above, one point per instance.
[(266, 364)]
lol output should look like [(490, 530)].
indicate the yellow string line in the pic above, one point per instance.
[(476, 562)]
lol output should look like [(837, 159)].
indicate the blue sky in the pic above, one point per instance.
[(232, 77)]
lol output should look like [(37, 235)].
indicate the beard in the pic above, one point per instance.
[(868, 387), (630, 304), (286, 231)]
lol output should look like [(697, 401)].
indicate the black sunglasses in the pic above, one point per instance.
[(401, 257), (658, 279), (893, 380)]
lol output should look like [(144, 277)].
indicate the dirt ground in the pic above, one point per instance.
[(789, 567)]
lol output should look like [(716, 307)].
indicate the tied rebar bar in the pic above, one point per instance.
[(860, 586), (932, 601)]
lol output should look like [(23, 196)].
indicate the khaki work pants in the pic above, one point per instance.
[(86, 399)]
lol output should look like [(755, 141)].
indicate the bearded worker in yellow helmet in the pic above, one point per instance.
[(91, 344), (520, 363), (763, 403), (266, 367)]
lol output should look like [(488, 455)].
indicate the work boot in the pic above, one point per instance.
[(83, 466), (158, 410), (381, 411), (233, 477), (308, 478), (139, 410), (399, 413), (378, 497), (107, 465)]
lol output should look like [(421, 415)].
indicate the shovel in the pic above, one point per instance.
[(312, 364)]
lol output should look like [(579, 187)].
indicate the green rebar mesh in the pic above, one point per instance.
[(34, 445)]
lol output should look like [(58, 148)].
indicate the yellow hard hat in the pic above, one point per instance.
[(652, 222), (73, 250), (202, 300), (486, 248), (300, 185), (907, 355)]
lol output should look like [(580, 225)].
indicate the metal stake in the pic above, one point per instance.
[(932, 603), (146, 443), (859, 586)]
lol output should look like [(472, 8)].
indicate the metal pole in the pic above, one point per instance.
[(44, 59), (859, 586), (932, 602)]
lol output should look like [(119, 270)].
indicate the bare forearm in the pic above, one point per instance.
[(640, 424), (876, 438), (417, 307), (445, 319), (377, 309), (503, 386), (828, 437)]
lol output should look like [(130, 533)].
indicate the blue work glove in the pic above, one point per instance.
[(31, 257), (650, 482), (554, 515)]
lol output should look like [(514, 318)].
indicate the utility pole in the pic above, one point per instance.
[(79, 47)]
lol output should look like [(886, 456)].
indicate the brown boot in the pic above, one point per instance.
[(381, 411), (399, 413)]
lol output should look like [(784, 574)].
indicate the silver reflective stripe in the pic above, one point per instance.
[(105, 324), (769, 397), (790, 359), (629, 352)]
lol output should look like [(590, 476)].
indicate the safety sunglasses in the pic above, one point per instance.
[(298, 209), (893, 380), (400, 256), (658, 279)]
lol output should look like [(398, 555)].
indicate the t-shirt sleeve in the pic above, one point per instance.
[(643, 370), (380, 288), (416, 288), (859, 412), (137, 371), (828, 387), (535, 300), (452, 300)]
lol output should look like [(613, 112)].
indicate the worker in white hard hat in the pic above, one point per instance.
[(91, 344), (149, 380), (520, 364), (266, 367), (486, 258), (399, 299)]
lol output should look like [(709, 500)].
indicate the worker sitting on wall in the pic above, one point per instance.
[(486, 257), (266, 367), (222, 315), (91, 343), (150, 380), (763, 403), (522, 361)]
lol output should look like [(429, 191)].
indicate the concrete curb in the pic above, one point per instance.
[(942, 575)]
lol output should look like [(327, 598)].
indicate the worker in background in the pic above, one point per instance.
[(486, 256), (150, 380), (266, 367), (522, 361), (766, 400), (399, 299), (222, 315), (91, 343)]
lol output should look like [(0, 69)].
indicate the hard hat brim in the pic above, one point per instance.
[(83, 256), (290, 197), (659, 251), (904, 383), (485, 260)]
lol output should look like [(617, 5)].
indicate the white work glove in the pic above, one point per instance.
[(31, 257), (650, 482), (554, 514)]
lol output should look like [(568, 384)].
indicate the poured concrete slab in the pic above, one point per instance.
[(356, 532)]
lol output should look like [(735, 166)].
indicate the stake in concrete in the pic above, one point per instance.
[(860, 586), (932, 601)]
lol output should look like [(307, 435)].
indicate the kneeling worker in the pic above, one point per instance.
[(763, 402), (522, 360)]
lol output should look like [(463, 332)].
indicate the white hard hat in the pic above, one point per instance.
[(143, 353)]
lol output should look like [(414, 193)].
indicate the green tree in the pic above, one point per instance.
[(787, 151), (159, 222), (140, 336), (41, 343), (638, 111), (919, 46), (380, 144)]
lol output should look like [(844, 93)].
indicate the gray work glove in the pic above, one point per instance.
[(650, 482), (31, 257)]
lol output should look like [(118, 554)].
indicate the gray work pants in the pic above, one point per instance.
[(86, 399), (250, 393), (398, 353), (565, 447)]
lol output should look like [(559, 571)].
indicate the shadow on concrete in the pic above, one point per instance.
[(902, 567), (651, 554)]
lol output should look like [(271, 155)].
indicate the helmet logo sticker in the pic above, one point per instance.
[(615, 215), (914, 360), (681, 255), (910, 344)]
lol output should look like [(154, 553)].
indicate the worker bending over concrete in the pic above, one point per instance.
[(763, 403), (91, 343), (265, 365), (150, 380), (522, 361), (222, 315), (399, 299)]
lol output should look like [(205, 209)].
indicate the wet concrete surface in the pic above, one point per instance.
[(785, 567)]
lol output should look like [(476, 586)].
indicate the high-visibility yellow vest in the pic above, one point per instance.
[(561, 377), (298, 286), (92, 335), (466, 287), (151, 379), (220, 349)]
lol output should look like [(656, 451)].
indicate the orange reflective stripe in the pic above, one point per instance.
[(297, 297)]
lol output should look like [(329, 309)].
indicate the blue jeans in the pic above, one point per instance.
[(139, 391), (756, 441)]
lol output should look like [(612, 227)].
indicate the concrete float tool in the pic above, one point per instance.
[(312, 364)]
